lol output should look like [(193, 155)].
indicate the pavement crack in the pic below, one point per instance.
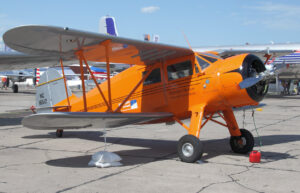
[(13, 165), (212, 184), (55, 150), (24, 144), (116, 173), (236, 181), (232, 180), (277, 122)]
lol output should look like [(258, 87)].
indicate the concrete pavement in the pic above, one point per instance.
[(37, 161)]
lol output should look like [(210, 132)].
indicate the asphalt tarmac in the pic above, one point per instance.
[(37, 161)]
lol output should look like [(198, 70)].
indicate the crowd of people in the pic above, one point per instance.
[(286, 84)]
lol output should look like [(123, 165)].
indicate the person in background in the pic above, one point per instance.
[(4, 82), (298, 87)]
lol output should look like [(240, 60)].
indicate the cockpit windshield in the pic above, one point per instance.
[(203, 64)]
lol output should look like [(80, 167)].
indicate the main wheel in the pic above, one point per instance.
[(59, 132), (242, 144), (15, 88), (189, 149)]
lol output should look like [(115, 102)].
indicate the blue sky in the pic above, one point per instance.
[(205, 23)]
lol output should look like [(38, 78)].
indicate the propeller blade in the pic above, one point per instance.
[(248, 82)]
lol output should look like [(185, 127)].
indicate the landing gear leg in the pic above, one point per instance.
[(59, 132), (189, 148), (241, 140)]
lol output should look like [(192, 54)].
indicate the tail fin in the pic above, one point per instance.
[(50, 90), (107, 25)]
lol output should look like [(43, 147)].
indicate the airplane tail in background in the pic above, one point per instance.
[(107, 25), (50, 91)]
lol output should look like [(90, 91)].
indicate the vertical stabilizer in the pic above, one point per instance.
[(50, 90), (107, 25)]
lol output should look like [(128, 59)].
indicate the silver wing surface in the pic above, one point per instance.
[(53, 43), (76, 120), (275, 50), (13, 61)]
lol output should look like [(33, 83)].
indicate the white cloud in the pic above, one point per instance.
[(150, 9), (275, 16), (282, 9)]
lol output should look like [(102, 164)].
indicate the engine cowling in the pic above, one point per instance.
[(251, 67)]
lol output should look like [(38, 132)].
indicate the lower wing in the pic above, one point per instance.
[(76, 120)]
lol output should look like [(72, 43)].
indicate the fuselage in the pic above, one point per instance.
[(174, 86)]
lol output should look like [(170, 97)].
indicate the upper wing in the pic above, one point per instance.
[(51, 43), (73, 120), (12, 61), (275, 50)]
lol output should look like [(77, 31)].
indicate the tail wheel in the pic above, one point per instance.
[(59, 132), (242, 144), (189, 149)]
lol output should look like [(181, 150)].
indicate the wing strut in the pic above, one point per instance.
[(80, 54), (109, 108), (106, 44)]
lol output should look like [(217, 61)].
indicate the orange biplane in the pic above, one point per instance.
[(165, 84)]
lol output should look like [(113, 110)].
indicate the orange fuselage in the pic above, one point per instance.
[(216, 87)]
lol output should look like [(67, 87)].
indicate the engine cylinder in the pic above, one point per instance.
[(252, 66)]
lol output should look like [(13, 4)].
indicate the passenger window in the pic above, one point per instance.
[(154, 77), (180, 70), (203, 64), (210, 59)]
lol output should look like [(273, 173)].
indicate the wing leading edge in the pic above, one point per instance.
[(275, 50), (64, 43), (76, 120)]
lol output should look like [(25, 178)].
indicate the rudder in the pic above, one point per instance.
[(50, 90)]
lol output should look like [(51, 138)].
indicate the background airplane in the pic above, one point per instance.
[(286, 71), (15, 77), (29, 77)]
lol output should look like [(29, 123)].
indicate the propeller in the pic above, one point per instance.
[(248, 82)]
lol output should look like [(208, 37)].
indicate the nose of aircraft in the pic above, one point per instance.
[(255, 84)]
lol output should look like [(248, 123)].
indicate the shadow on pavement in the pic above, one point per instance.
[(151, 149), (10, 121)]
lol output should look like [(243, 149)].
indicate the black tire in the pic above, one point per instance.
[(189, 144), (242, 144), (15, 88), (59, 132)]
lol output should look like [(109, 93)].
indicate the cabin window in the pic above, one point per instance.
[(210, 59), (179, 70), (203, 64), (154, 77)]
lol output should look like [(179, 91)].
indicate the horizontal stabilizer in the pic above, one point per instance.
[(76, 120)]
